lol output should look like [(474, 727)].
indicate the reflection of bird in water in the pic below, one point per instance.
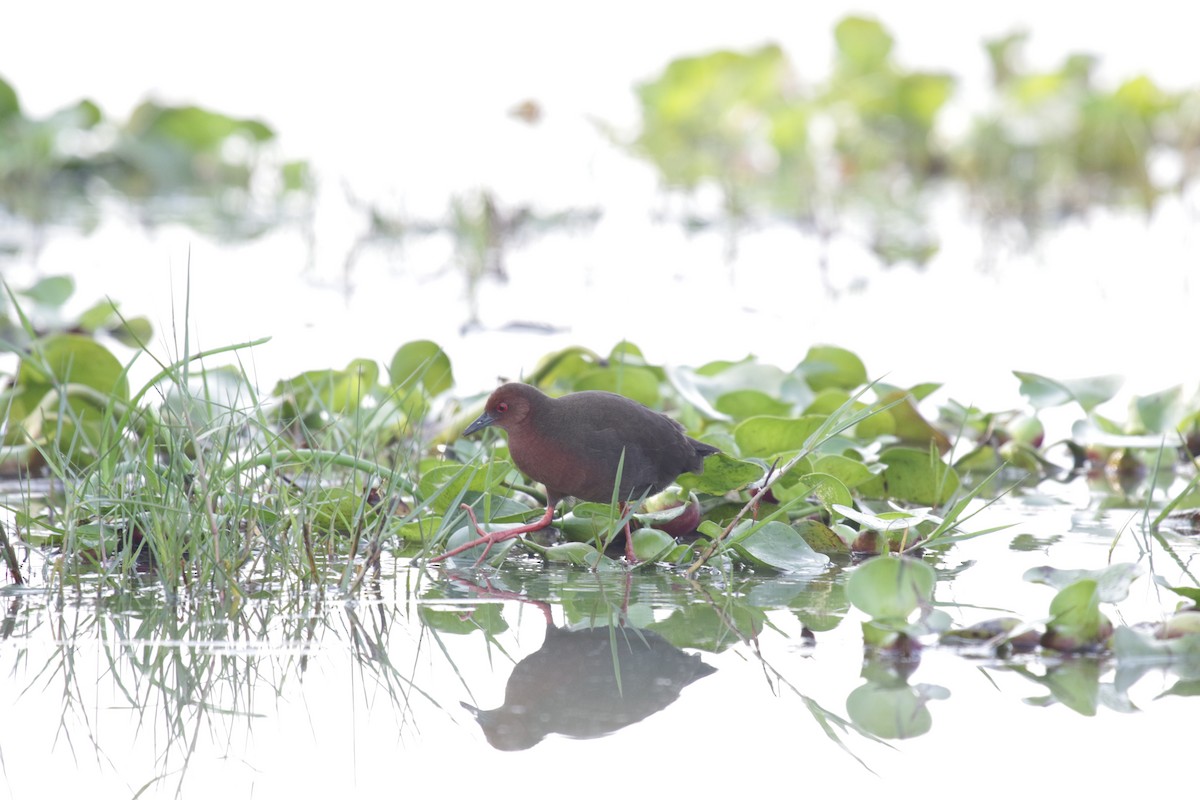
[(588, 683), (584, 683)]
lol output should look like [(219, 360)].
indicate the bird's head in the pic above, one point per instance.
[(508, 406)]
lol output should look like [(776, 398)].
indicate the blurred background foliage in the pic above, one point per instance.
[(185, 164), (864, 153), (869, 151)]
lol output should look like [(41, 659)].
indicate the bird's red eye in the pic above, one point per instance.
[(502, 407)]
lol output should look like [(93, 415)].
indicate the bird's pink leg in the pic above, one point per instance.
[(629, 556), (488, 539)]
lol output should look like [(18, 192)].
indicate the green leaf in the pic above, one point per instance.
[(847, 470), (891, 588), (134, 332), (1158, 412), (51, 291), (767, 436), (580, 554), (649, 544), (828, 490), (1112, 582), (821, 537), (421, 362), (777, 545), (1043, 392), (917, 477), (828, 367), (67, 359), (745, 403), (636, 383), (1075, 611), (10, 106), (863, 44)]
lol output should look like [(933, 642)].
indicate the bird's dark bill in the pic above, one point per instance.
[(484, 420)]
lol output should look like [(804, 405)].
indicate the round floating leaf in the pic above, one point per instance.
[(1043, 392), (334, 509), (580, 554), (722, 473), (650, 544), (778, 546), (891, 588), (636, 383), (745, 403), (133, 332), (880, 423), (1159, 412), (828, 367), (10, 106), (908, 423), (827, 489), (766, 436), (421, 362), (72, 359), (821, 537), (51, 291), (1112, 582), (917, 476), (1076, 612), (847, 470)]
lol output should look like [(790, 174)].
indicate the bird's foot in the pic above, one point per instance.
[(489, 538)]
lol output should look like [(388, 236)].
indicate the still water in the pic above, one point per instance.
[(540, 681)]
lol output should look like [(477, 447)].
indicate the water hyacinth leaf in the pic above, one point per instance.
[(421, 362), (580, 554), (891, 588), (703, 387), (745, 403), (420, 530), (51, 291), (887, 522), (331, 390), (827, 489), (467, 533), (1159, 412), (908, 424), (335, 510), (879, 423), (650, 544), (70, 359), (1075, 611), (777, 545), (1112, 582), (448, 484), (45, 406), (913, 476), (197, 129), (849, 471), (821, 538), (1043, 392), (10, 106), (636, 383), (828, 401), (762, 437), (828, 367), (1189, 592)]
